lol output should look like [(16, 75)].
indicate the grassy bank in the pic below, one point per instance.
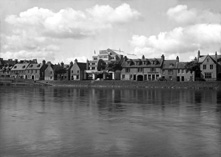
[(136, 84)]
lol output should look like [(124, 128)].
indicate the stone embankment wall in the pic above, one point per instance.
[(137, 84), (116, 84)]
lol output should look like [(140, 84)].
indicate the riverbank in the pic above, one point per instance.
[(135, 84), (115, 84)]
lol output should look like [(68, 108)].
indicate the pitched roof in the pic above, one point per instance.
[(20, 66), (181, 65), (34, 66), (148, 62), (82, 66), (169, 64), (203, 57)]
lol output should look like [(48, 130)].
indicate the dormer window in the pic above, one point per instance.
[(38, 65), (23, 66), (31, 65), (15, 67), (171, 65)]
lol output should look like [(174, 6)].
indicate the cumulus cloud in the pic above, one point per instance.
[(202, 30), (182, 14), (179, 40), (36, 32), (70, 23), (24, 54)]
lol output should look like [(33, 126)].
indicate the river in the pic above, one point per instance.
[(99, 122)]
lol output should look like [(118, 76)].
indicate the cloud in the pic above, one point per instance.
[(70, 23), (40, 55), (37, 32), (182, 14), (181, 40), (72, 59), (201, 29)]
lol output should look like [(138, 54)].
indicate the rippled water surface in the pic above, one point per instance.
[(87, 122)]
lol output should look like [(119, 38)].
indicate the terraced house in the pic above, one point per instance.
[(19, 70), (183, 74), (49, 72), (35, 71), (77, 70), (210, 66), (144, 69), (169, 69)]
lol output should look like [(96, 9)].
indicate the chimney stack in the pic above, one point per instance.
[(177, 59), (62, 64), (163, 57), (198, 55), (43, 62), (216, 56)]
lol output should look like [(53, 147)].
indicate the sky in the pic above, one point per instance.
[(65, 30)]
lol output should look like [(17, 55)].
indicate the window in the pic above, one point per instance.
[(208, 75), (78, 71), (170, 72), (140, 69), (153, 69), (211, 66), (50, 72), (127, 70), (77, 77), (178, 70), (163, 71), (92, 68), (170, 77), (145, 77), (149, 77), (123, 76), (204, 66), (207, 59)]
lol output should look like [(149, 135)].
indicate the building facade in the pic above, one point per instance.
[(19, 70), (49, 72), (36, 71), (142, 69), (77, 71), (210, 66), (183, 74)]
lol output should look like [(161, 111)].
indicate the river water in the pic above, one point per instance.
[(98, 122)]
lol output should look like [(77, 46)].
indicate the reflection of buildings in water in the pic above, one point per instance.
[(218, 103)]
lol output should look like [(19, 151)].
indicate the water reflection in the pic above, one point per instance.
[(109, 122)]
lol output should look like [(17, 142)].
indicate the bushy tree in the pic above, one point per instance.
[(194, 66), (114, 66)]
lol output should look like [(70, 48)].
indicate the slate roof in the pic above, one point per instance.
[(34, 66), (169, 64), (181, 65), (203, 57), (82, 66), (150, 62), (20, 66)]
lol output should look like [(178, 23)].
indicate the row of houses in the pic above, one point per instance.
[(111, 64)]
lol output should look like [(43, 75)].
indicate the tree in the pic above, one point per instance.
[(114, 66), (194, 66)]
